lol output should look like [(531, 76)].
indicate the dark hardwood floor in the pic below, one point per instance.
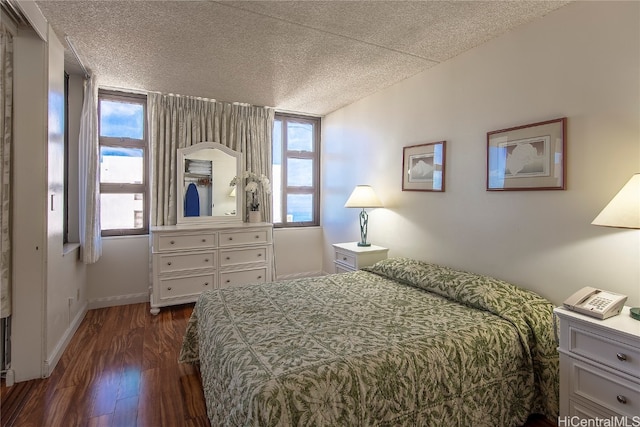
[(120, 369)]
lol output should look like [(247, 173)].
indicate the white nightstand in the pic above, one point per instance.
[(599, 366), (351, 257)]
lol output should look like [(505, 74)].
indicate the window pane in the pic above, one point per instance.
[(121, 211), (277, 143), (121, 119), (277, 193), (299, 207), (299, 136), (121, 165), (299, 172)]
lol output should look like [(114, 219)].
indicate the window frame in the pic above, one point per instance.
[(314, 155), (123, 142)]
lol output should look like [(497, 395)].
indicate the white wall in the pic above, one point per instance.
[(581, 61), (298, 252), (65, 274), (121, 275)]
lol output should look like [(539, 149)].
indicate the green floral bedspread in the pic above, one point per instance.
[(404, 343)]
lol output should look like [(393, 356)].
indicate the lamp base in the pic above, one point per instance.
[(635, 312), (364, 244)]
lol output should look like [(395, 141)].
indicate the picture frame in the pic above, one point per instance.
[(528, 157), (423, 167)]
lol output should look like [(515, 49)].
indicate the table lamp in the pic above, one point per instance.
[(623, 211), (363, 197)]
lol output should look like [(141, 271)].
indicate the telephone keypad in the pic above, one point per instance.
[(599, 303)]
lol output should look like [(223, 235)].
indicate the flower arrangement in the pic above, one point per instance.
[(254, 183)]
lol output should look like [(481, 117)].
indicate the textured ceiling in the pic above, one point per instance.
[(304, 56)]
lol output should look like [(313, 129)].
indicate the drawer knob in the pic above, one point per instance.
[(621, 399), (206, 283), (172, 242), (228, 258), (344, 258), (206, 260), (259, 255), (621, 357), (169, 263), (257, 237), (228, 281), (259, 277), (230, 238), (204, 240), (169, 288)]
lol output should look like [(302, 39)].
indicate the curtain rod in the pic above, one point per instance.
[(75, 55)]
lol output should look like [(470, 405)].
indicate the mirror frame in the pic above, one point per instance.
[(183, 154)]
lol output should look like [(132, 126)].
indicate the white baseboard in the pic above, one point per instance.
[(53, 359), (118, 300), (299, 275), (9, 378)]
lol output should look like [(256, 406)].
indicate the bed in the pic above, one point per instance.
[(403, 343)]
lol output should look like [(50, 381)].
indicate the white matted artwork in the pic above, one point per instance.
[(529, 157), (423, 167)]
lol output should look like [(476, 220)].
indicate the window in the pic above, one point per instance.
[(123, 164), (296, 183), (65, 226)]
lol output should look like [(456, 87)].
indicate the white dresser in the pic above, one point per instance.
[(599, 367), (189, 259), (351, 257)]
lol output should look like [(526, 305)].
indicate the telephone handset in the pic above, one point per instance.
[(595, 302)]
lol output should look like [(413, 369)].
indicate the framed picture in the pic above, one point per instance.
[(423, 167), (529, 157)]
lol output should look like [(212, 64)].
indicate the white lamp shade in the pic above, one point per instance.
[(623, 211), (363, 196)]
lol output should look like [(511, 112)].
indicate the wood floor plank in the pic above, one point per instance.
[(120, 369), (126, 412), (149, 401)]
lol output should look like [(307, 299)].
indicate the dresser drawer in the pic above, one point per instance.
[(180, 262), (242, 256), (172, 242), (243, 238), (185, 286), (346, 259), (235, 278), (606, 390), (603, 350)]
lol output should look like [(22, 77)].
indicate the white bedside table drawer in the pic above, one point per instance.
[(184, 286), (235, 278), (351, 257), (603, 350), (346, 259), (607, 390), (179, 262)]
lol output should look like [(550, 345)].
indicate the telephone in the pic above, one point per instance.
[(595, 302)]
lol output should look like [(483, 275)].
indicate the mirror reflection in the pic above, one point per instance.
[(204, 176)]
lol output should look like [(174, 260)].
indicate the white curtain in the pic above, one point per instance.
[(89, 176), (181, 121), (6, 107)]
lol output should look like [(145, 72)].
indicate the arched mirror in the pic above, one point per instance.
[(204, 173)]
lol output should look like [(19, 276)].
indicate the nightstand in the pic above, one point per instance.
[(351, 257), (599, 366)]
